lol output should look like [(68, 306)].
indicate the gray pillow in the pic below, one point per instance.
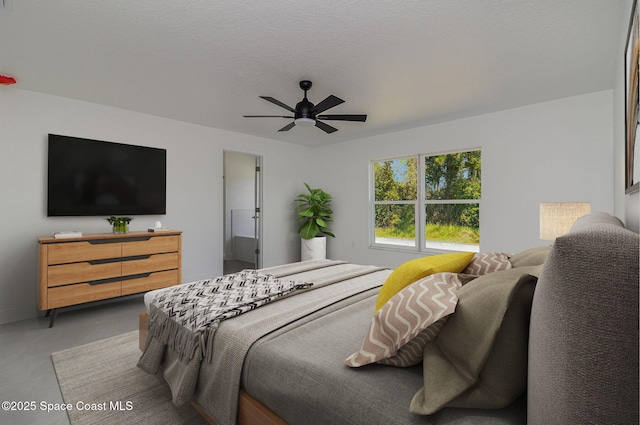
[(586, 221), (530, 257), (479, 359)]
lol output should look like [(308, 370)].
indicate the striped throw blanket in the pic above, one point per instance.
[(185, 317)]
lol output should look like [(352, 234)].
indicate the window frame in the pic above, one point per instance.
[(420, 205)]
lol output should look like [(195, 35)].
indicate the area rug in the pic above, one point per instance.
[(102, 384)]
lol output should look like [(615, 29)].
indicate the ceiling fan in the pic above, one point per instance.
[(306, 113)]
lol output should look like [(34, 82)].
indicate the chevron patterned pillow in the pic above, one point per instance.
[(403, 326), (488, 262)]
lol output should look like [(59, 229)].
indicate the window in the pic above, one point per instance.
[(443, 213), (396, 201)]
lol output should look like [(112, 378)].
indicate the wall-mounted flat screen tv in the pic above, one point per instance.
[(91, 177)]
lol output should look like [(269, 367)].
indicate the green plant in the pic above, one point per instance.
[(314, 213), (119, 223), (113, 220)]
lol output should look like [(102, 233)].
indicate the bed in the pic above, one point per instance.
[(301, 343), (285, 362)]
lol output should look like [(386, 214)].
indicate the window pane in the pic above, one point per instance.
[(453, 227), (395, 224), (396, 180), (452, 176)]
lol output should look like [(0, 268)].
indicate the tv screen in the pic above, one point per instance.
[(90, 177)]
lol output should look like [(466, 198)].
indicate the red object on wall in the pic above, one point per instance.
[(4, 80)]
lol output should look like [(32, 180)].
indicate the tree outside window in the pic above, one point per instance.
[(396, 201), (442, 214)]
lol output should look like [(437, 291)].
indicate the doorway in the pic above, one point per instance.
[(242, 218)]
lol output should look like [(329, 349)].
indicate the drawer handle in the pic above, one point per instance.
[(136, 276), (137, 257), (119, 259), (119, 240), (104, 261), (103, 241), (118, 279), (103, 281)]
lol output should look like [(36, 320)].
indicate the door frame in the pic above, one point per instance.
[(257, 202)]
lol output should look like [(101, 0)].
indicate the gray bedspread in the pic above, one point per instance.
[(216, 384), (299, 373)]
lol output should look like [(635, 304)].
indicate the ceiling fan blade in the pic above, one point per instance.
[(288, 126), (277, 102), (266, 116), (325, 127), (361, 118), (328, 103)]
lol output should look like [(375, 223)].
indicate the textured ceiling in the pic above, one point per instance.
[(404, 63)]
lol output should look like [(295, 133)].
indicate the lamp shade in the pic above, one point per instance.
[(556, 218)]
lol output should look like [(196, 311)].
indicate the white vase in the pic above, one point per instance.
[(314, 248)]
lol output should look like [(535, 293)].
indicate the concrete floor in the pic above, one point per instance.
[(234, 266), (26, 370)]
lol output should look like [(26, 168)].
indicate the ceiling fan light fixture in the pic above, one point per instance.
[(307, 114), (305, 121)]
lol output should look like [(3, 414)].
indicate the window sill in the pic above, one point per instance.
[(441, 249)]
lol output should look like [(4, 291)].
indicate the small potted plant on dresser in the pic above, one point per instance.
[(120, 224), (314, 214)]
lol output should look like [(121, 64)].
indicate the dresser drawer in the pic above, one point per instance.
[(82, 293), (72, 252), (153, 245), (65, 274), (148, 283), (152, 263)]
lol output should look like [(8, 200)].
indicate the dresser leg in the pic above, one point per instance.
[(53, 316)]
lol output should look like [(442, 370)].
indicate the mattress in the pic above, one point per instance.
[(299, 373), (218, 380), (148, 296)]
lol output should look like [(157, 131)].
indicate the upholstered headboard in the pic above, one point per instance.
[(583, 346)]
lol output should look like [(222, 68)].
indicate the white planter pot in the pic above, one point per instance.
[(313, 249)]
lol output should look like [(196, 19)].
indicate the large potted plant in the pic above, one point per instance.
[(314, 214)]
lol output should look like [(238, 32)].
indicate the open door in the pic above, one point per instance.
[(256, 205), (242, 199)]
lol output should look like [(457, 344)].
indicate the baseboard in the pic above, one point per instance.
[(17, 314)]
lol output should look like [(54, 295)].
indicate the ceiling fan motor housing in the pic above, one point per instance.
[(304, 109)]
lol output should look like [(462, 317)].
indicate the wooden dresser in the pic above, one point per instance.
[(107, 265)]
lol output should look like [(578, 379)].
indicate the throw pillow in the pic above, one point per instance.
[(488, 262), (530, 257), (479, 359), (408, 321), (413, 270)]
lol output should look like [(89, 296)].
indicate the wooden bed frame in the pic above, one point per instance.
[(250, 410)]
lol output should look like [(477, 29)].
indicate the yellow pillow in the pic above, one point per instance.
[(413, 270)]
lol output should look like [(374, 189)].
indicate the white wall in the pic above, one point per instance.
[(549, 152), (554, 151), (194, 186)]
